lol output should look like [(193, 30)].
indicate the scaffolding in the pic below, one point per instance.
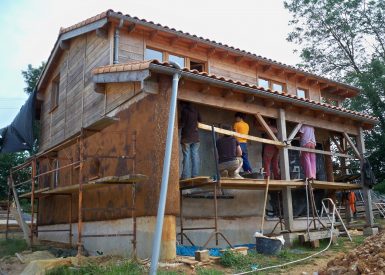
[(68, 191)]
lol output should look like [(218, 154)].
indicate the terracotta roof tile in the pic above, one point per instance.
[(141, 65)]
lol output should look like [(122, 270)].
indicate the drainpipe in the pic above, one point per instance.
[(165, 173), (116, 41)]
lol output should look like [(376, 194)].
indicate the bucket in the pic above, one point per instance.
[(268, 246)]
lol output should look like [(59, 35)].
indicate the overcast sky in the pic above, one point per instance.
[(29, 30)]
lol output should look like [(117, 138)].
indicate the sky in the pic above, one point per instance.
[(30, 29)]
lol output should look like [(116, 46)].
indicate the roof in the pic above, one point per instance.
[(142, 65), (112, 14)]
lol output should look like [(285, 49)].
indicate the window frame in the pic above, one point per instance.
[(271, 83), (182, 57), (306, 92), (55, 88), (156, 50)]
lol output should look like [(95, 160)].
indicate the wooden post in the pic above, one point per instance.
[(33, 175), (365, 190), (285, 172), (80, 199), (328, 162)]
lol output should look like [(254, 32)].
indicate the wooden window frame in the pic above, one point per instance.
[(205, 63), (154, 49), (55, 87), (307, 95), (272, 82)]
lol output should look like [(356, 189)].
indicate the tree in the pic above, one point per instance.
[(345, 40), (31, 76), (8, 160)]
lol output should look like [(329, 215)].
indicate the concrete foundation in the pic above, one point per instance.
[(369, 231), (119, 245)]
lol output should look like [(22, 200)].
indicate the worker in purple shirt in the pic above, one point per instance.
[(308, 159), (190, 140)]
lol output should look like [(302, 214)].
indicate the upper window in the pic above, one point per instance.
[(197, 65), (150, 54), (177, 59), (55, 92), (277, 87), (264, 83), (302, 93)]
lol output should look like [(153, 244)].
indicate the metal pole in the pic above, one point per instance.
[(165, 174)]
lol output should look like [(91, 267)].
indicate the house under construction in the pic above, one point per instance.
[(103, 101)]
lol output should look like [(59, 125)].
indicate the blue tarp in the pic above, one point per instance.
[(184, 250)]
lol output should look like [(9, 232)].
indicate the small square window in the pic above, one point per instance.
[(150, 54), (302, 93), (177, 59), (55, 85), (197, 65), (277, 87), (263, 83)]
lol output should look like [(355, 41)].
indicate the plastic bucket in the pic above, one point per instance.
[(268, 246)]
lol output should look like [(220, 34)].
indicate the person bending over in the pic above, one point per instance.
[(229, 155)]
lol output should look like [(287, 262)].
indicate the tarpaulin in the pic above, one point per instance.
[(18, 136)]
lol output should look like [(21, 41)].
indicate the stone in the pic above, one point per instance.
[(369, 231), (202, 255)]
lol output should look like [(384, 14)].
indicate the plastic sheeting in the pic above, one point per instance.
[(18, 136)]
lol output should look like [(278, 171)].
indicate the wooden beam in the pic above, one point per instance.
[(253, 63), (131, 28), (227, 93), (350, 141), (265, 126), (290, 75), (337, 144), (268, 102), (205, 89), (235, 134), (366, 191), (249, 98), (294, 132), (238, 59), (174, 40), (193, 46), (153, 34), (285, 172), (265, 68), (303, 149), (211, 52), (224, 55)]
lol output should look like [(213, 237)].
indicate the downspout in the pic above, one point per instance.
[(165, 173), (116, 41)]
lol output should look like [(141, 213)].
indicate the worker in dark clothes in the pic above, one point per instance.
[(229, 155), (190, 140)]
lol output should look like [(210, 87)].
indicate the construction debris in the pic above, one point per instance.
[(368, 258)]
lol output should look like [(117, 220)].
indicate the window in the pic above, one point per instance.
[(264, 83), (177, 59), (277, 87), (150, 54), (55, 92), (199, 66), (302, 93)]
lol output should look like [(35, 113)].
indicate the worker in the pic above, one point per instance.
[(270, 153), (229, 155), (352, 202), (190, 140), (240, 126), (308, 159)]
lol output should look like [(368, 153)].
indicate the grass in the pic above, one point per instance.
[(127, 267), (253, 260), (11, 246)]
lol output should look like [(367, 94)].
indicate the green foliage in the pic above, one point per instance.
[(11, 246), (127, 267), (237, 261), (31, 76), (208, 271), (380, 188), (346, 40), (8, 160)]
